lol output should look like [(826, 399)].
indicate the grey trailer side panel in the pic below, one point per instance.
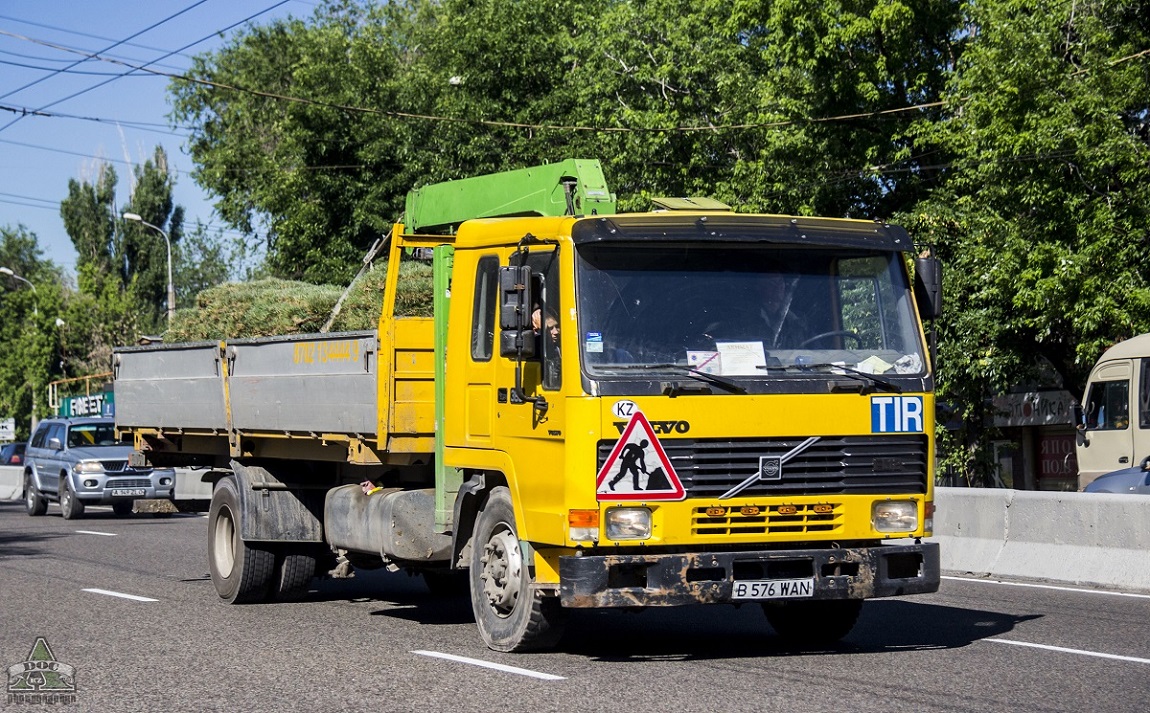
[(315, 383), (176, 386)]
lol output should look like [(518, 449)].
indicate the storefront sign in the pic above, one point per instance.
[(1034, 408)]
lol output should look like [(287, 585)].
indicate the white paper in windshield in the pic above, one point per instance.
[(742, 358)]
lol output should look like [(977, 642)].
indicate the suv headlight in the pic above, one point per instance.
[(89, 466), (895, 515), (628, 523)]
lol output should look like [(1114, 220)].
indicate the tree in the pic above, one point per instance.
[(1042, 219), (143, 252), (90, 220), (29, 331), (318, 129)]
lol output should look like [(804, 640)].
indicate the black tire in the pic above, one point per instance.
[(511, 616), (35, 503), (813, 623), (241, 573), (71, 506), (294, 571), (123, 508)]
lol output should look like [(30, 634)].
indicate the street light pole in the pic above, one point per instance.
[(8, 271), (171, 286)]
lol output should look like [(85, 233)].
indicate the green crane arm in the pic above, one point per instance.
[(570, 187)]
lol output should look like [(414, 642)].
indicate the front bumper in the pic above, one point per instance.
[(645, 580), (103, 489)]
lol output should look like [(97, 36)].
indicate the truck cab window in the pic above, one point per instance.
[(545, 313), (1108, 406), (483, 316)]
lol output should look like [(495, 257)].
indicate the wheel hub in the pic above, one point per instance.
[(502, 572)]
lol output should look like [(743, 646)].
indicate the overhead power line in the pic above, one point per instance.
[(106, 49)]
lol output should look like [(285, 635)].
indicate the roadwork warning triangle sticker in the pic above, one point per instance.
[(638, 467)]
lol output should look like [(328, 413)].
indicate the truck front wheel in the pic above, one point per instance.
[(511, 616), (813, 623), (241, 572)]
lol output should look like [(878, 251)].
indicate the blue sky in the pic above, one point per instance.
[(123, 120)]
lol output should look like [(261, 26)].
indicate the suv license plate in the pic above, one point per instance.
[(128, 492), (774, 589)]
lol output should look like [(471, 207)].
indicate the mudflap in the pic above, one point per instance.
[(676, 579)]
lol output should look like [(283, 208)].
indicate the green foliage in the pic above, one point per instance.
[(28, 332), (143, 251), (1042, 219)]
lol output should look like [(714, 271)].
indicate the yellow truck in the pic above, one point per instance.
[(688, 405)]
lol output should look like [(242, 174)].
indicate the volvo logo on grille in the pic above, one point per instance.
[(770, 468), (767, 472)]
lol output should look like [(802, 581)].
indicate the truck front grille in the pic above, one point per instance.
[(832, 465)]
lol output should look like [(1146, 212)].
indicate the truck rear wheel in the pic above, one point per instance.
[(818, 623), (34, 502), (511, 616), (241, 572), (71, 506), (295, 570)]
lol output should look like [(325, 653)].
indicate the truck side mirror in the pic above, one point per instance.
[(928, 286), (54, 444), (516, 336)]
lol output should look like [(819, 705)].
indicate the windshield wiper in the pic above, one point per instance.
[(691, 371), (871, 380)]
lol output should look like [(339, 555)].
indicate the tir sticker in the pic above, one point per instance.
[(638, 467), (896, 414)]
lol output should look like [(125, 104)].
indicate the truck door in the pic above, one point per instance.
[(1109, 434), (533, 436)]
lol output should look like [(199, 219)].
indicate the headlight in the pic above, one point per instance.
[(628, 523), (895, 515), (89, 466)]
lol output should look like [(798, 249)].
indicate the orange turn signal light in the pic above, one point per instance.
[(716, 512), (787, 509), (823, 509), (583, 518)]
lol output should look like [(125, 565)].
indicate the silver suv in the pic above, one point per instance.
[(78, 462)]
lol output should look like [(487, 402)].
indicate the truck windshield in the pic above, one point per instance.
[(745, 310)]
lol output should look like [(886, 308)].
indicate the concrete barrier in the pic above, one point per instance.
[(1079, 538), (11, 482)]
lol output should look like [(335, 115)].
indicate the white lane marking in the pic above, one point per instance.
[(133, 597), (93, 532), (1063, 650), (489, 664), (1048, 586)]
